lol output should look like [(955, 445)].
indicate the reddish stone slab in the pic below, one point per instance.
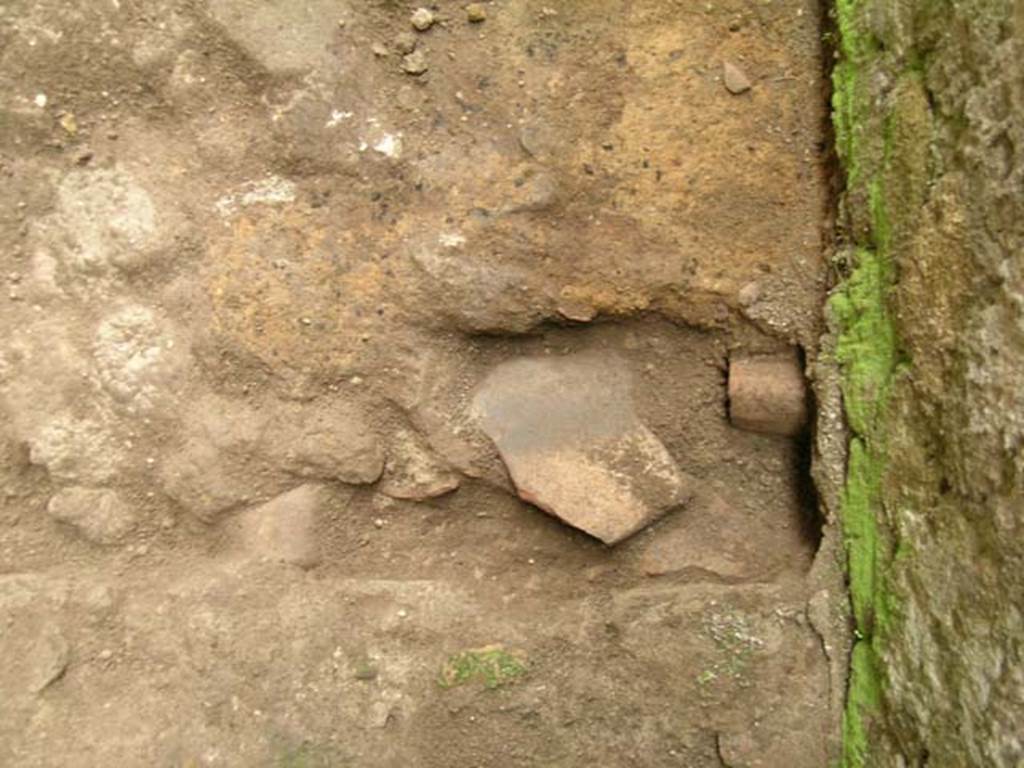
[(574, 446)]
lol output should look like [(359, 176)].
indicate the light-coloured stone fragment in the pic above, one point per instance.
[(414, 472), (284, 529), (76, 449), (107, 220), (99, 515), (138, 357), (736, 82), (422, 19)]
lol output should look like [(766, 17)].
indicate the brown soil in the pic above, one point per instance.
[(245, 251)]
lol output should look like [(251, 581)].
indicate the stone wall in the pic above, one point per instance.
[(929, 116)]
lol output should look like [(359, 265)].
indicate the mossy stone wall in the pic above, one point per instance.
[(929, 118)]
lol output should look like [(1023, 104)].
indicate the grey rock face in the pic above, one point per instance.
[(574, 446)]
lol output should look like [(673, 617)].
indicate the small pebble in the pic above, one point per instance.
[(403, 613), (736, 82), (476, 12), (415, 63), (379, 50), (378, 523), (68, 123), (749, 294), (422, 19)]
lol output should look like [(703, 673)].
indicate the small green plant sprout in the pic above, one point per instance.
[(492, 666)]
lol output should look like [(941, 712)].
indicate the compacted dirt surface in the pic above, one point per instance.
[(266, 266)]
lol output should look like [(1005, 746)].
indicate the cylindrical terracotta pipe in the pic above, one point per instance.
[(768, 394)]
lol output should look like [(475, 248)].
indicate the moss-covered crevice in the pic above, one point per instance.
[(867, 353), (867, 350)]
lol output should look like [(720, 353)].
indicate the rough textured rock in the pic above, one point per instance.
[(108, 219), (98, 514), (76, 449), (929, 111), (284, 529), (413, 472), (574, 446), (234, 454), (485, 296), (139, 360), (422, 19), (213, 470), (415, 63), (331, 441)]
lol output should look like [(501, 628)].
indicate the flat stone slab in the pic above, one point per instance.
[(568, 433), (284, 528)]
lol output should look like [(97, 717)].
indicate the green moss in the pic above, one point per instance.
[(864, 699), (860, 530), (491, 666), (866, 348), (856, 47), (868, 352), (843, 117)]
